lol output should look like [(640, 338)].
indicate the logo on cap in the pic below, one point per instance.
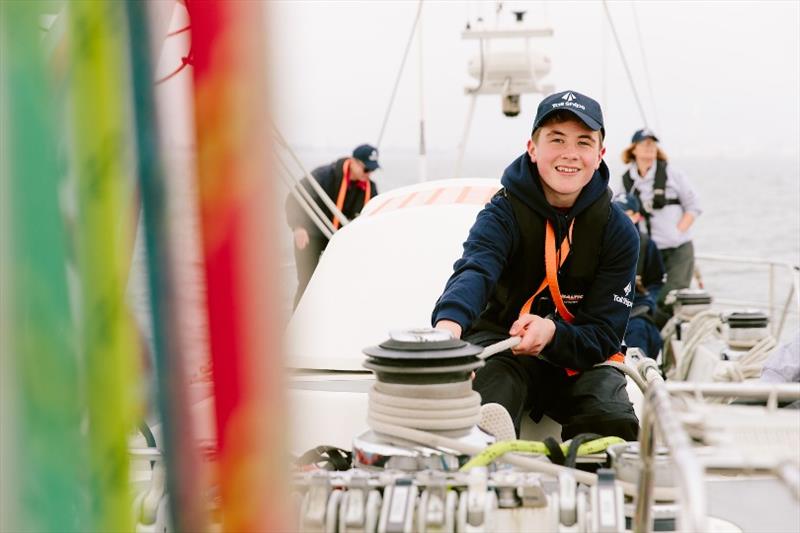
[(568, 102), (373, 155)]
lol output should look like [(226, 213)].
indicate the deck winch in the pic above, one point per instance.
[(423, 382), (745, 331), (689, 302)]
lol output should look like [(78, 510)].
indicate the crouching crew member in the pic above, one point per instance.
[(642, 331)]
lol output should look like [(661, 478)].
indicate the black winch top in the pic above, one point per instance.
[(421, 345), (423, 356), (692, 297), (747, 319)]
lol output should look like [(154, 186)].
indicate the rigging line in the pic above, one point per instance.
[(625, 63), (187, 60), (399, 73), (176, 32), (645, 63)]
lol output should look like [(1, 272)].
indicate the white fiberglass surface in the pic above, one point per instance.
[(383, 272)]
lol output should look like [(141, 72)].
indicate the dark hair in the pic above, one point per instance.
[(559, 117)]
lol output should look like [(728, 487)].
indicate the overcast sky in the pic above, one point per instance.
[(725, 75)]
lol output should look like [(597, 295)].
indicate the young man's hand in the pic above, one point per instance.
[(536, 333), (449, 325), (300, 238)]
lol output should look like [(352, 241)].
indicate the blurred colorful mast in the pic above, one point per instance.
[(236, 199), (43, 453)]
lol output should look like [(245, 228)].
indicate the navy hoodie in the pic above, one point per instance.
[(601, 316)]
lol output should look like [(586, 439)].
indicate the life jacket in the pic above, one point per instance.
[(526, 269), (659, 191), (526, 272)]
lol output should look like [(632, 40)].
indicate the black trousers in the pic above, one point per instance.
[(305, 261), (593, 401)]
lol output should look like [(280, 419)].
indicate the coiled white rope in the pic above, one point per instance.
[(699, 328), (749, 365), (414, 406), (438, 407)]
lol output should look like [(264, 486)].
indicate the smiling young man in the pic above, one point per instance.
[(571, 313)]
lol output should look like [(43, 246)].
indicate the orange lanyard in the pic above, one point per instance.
[(343, 191), (553, 257)]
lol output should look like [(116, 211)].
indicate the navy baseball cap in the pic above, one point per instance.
[(643, 134), (368, 155), (628, 202), (580, 105)]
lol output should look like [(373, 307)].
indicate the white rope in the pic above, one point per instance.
[(498, 347), (424, 407), (628, 371), (440, 407), (700, 328), (749, 365)]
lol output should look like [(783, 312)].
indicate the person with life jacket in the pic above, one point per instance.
[(669, 205), (642, 331), (347, 182), (549, 259)]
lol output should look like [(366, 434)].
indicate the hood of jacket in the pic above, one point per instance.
[(521, 178)]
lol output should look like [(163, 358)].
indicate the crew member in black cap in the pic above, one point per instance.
[(642, 331), (347, 182), (670, 206), (550, 260)]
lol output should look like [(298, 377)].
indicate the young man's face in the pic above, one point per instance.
[(566, 154)]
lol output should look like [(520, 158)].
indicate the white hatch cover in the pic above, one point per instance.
[(384, 271)]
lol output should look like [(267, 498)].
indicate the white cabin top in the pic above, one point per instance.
[(384, 271)]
